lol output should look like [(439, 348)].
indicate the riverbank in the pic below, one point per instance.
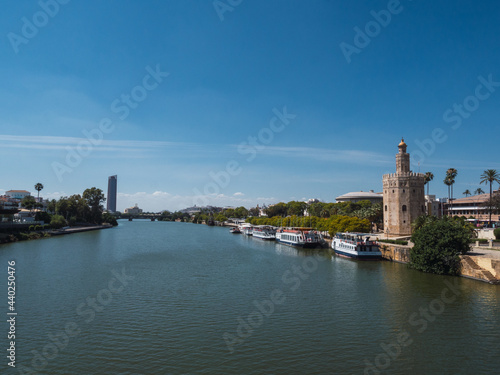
[(36, 235), (480, 264)]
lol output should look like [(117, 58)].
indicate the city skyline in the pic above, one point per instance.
[(266, 102)]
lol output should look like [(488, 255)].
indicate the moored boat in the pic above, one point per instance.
[(356, 245), (235, 230), (299, 236), (246, 228), (264, 232)]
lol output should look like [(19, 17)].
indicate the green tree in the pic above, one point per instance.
[(438, 244), (43, 216), (110, 219), (428, 177), (278, 209), (241, 212), (478, 191), (490, 175), (296, 208), (51, 206), (28, 202), (254, 211), (447, 181), (467, 193), (94, 198), (57, 222), (451, 174), (38, 188), (220, 218)]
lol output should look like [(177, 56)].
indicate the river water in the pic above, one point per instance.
[(178, 298)]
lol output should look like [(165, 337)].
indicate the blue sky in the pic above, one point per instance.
[(243, 102)]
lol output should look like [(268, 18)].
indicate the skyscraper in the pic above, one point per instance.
[(111, 201)]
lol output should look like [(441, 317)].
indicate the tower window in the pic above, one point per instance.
[(404, 207), (386, 207), (403, 190), (393, 191)]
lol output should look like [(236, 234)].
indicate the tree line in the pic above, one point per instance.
[(76, 209)]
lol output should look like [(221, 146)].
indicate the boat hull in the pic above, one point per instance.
[(357, 256), (305, 245), (265, 238)]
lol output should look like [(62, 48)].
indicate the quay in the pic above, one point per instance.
[(481, 263), (78, 229)]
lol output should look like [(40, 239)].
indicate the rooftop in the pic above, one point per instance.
[(474, 198), (361, 194)]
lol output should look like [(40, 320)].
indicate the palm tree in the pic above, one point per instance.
[(428, 177), (451, 173), (467, 193), (448, 183), (490, 175), (478, 191), (38, 187)]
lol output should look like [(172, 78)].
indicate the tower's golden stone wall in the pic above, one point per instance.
[(404, 196)]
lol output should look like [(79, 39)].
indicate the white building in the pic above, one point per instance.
[(17, 194), (433, 206), (133, 210), (357, 196)]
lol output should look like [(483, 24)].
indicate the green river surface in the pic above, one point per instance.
[(178, 298)]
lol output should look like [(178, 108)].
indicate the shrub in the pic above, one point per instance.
[(43, 216), (31, 228), (57, 222), (496, 232), (110, 219), (22, 236), (38, 227), (438, 245)]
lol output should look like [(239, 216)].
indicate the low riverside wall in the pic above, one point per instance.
[(477, 268), (483, 269), (395, 253)]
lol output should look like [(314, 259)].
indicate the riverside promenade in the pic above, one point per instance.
[(79, 229)]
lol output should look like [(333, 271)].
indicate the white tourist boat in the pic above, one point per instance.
[(246, 228), (264, 232), (356, 245), (299, 236)]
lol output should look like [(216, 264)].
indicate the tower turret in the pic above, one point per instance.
[(402, 158)]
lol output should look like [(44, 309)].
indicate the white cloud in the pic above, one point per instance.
[(238, 194), (329, 155)]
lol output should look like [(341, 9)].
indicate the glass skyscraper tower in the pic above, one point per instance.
[(111, 201)]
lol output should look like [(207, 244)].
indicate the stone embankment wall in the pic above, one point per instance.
[(395, 253), (483, 269)]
